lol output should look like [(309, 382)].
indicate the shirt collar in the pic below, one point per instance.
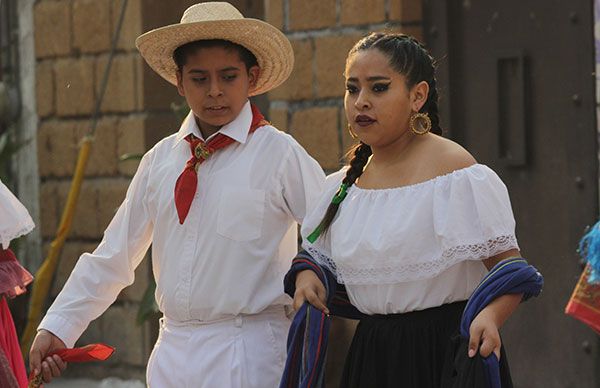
[(237, 129)]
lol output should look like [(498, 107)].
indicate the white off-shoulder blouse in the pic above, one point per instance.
[(414, 247), (15, 220)]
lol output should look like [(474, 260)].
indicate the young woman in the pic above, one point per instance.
[(410, 227)]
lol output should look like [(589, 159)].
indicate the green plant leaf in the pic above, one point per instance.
[(126, 157), (148, 307), (7, 149), (180, 110)]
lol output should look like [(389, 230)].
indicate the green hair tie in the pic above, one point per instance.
[(336, 200), (340, 194), (314, 235)]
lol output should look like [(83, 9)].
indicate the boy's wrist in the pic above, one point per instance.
[(64, 329)]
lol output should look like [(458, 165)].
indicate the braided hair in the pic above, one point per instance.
[(410, 58)]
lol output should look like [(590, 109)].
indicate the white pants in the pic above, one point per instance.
[(246, 351)]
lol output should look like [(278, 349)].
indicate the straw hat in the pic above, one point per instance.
[(220, 20)]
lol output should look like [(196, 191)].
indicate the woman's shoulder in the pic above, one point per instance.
[(451, 165), (446, 156)]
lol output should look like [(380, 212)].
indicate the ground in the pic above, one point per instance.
[(111, 382)]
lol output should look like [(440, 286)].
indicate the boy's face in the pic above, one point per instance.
[(215, 84)]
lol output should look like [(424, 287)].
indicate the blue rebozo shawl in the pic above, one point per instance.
[(307, 339), (510, 276)]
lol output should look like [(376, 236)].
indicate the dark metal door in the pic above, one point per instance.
[(519, 93)]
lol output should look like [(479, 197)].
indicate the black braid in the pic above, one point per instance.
[(357, 163), (431, 107), (361, 156)]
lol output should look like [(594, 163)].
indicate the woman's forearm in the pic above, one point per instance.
[(503, 307)]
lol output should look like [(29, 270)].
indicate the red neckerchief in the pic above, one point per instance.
[(186, 185)]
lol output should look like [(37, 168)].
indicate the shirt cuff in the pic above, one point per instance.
[(66, 330)]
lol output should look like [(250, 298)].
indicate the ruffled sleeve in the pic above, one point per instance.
[(414, 232), (15, 220), (472, 215), (13, 277)]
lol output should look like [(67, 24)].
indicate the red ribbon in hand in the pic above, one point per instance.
[(93, 352)]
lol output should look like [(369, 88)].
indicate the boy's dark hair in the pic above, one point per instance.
[(181, 53), (410, 58)]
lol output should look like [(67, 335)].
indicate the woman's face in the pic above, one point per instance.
[(378, 102)]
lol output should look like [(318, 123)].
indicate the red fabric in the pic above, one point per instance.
[(10, 344), (585, 302), (7, 376), (186, 185), (13, 277), (93, 352)]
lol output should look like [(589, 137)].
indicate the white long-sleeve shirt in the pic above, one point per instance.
[(230, 255)]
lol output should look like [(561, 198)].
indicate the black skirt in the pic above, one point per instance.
[(411, 350)]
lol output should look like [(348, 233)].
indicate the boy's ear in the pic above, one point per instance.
[(253, 74), (180, 88)]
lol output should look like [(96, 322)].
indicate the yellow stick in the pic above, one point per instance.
[(44, 275)]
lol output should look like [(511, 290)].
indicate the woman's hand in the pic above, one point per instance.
[(484, 332), (310, 289), (485, 326)]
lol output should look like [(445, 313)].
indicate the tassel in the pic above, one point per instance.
[(589, 249)]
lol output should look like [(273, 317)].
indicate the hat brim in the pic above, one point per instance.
[(272, 49)]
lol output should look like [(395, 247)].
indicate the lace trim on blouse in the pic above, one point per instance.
[(399, 272)]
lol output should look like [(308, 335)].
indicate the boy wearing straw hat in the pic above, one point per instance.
[(219, 200)]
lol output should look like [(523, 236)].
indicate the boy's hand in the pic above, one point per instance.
[(50, 367), (484, 332), (310, 289)]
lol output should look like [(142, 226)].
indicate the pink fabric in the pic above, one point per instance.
[(13, 277), (10, 344)]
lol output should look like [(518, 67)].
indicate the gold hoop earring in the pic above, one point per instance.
[(352, 134), (423, 126)]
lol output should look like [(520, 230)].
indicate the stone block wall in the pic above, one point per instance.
[(72, 44), (310, 104)]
